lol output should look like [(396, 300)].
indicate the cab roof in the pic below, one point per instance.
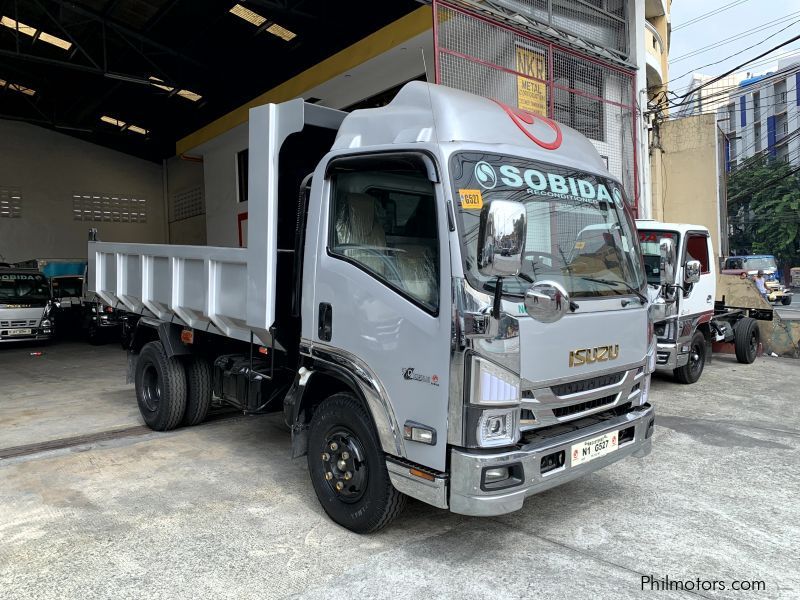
[(659, 226), (426, 112)]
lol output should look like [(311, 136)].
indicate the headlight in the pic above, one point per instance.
[(497, 427), (492, 384), (46, 323)]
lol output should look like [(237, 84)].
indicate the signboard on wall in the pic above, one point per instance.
[(531, 95)]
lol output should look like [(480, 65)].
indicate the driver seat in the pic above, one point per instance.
[(357, 225)]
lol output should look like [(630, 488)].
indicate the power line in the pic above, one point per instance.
[(764, 186), (709, 14), (735, 37), (745, 50)]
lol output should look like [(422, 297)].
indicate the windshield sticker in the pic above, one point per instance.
[(551, 185), (471, 199)]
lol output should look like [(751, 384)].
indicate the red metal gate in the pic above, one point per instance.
[(485, 56)]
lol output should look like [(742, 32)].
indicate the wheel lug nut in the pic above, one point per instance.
[(348, 475), (326, 456), (339, 486), (342, 465), (345, 455), (328, 475), (334, 446)]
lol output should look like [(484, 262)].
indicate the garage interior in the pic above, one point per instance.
[(130, 116)]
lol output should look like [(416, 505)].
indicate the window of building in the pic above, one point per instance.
[(10, 203), (242, 160), (756, 106), (383, 220), (780, 96), (577, 87), (108, 208), (757, 136), (731, 116)]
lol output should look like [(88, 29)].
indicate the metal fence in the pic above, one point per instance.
[(491, 58)]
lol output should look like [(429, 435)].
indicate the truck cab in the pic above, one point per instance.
[(683, 282), (412, 299), (25, 306)]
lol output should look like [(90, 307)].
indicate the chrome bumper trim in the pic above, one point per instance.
[(668, 358), (431, 492), (467, 497)]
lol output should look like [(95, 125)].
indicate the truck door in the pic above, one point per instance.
[(698, 299), (380, 285)]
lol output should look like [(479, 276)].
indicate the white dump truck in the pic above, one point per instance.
[(688, 318), (445, 296)]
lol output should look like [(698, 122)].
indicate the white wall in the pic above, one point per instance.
[(48, 167)]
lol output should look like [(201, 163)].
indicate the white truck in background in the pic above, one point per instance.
[(420, 298), (682, 276), (25, 306)]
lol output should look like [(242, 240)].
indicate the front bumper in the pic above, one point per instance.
[(37, 334), (669, 357), (468, 497)]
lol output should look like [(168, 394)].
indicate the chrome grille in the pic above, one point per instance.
[(19, 323)]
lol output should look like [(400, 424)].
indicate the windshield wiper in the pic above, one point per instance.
[(612, 282)]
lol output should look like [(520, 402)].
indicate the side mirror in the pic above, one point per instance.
[(669, 257), (501, 238), (547, 301), (691, 272)]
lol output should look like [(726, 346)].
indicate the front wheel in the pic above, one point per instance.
[(786, 300), (691, 371), (348, 469)]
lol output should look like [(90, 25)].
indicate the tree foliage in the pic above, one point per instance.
[(764, 209)]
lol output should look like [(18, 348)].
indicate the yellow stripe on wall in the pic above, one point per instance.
[(373, 45)]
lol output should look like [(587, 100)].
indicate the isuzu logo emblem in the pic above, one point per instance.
[(586, 356), (485, 174)]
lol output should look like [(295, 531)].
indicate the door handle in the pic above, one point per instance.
[(325, 325)]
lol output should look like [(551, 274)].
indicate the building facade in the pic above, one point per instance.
[(761, 117)]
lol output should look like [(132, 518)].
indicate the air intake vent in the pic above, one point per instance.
[(587, 385), (566, 411)]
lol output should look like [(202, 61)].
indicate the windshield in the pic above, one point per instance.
[(578, 231), (23, 288), (763, 263), (649, 241)]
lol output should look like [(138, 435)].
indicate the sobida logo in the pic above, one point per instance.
[(546, 184)]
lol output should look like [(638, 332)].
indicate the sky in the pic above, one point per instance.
[(738, 22)]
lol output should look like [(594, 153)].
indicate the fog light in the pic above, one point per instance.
[(496, 474)]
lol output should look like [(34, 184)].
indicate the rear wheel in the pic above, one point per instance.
[(348, 469), (746, 337), (198, 390), (786, 300), (691, 371), (160, 388)]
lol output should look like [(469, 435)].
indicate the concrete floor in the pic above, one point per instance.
[(220, 511)]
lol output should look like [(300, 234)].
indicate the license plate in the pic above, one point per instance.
[(19, 332), (596, 447)]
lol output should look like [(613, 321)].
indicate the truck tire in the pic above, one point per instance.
[(746, 336), (198, 390), (786, 300), (691, 371), (348, 468), (160, 388)]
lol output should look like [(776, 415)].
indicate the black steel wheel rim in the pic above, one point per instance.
[(151, 388), (344, 465), (753, 343), (696, 359)]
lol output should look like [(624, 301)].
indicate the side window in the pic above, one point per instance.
[(384, 221), (697, 249)]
